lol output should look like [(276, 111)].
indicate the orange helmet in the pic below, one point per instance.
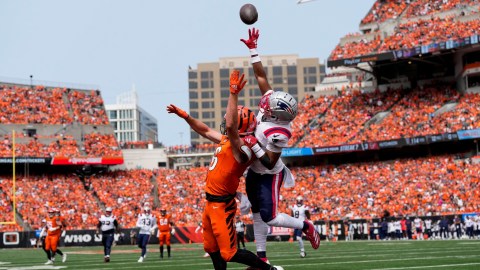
[(247, 122)]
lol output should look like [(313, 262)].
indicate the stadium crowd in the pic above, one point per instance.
[(426, 186)]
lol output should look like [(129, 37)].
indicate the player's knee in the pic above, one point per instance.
[(227, 254), (277, 221), (266, 216)]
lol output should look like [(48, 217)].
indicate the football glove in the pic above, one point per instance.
[(172, 231), (174, 109), (253, 35), (236, 83)]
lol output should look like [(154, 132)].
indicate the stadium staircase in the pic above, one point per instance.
[(377, 118), (156, 200)]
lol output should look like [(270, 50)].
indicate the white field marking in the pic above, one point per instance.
[(176, 260), (35, 267), (302, 264), (3, 263), (428, 266), (388, 244), (469, 243)]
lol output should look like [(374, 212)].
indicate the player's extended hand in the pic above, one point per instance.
[(250, 141), (236, 83), (253, 35), (174, 109)]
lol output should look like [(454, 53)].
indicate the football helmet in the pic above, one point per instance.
[(299, 200), (146, 209), (280, 107), (163, 211), (108, 211), (247, 122)]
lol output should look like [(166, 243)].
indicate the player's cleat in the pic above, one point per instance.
[(206, 255), (106, 259), (140, 260), (312, 235), (64, 257), (277, 268), (49, 262), (53, 259), (303, 254)]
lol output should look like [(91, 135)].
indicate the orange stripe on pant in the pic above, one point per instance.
[(218, 228)]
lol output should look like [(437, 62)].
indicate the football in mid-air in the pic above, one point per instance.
[(248, 14)]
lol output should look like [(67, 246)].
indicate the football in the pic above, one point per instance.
[(248, 14)]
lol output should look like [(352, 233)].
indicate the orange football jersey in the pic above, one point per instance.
[(224, 171), (164, 223), (52, 223)]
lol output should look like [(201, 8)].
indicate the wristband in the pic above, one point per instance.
[(255, 58), (258, 151)]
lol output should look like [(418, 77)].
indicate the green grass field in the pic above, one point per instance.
[(378, 255)]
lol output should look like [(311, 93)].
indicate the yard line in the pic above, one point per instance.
[(429, 266)]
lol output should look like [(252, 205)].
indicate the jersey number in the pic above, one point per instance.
[(296, 214), (214, 161), (146, 222), (106, 222)]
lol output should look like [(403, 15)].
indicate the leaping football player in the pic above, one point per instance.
[(232, 156), (266, 175)]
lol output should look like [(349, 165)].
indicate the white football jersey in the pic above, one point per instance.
[(272, 137), (146, 223), (299, 211), (108, 223)]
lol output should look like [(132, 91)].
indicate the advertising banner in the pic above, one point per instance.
[(468, 134), (87, 161)]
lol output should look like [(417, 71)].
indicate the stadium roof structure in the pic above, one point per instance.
[(376, 33)]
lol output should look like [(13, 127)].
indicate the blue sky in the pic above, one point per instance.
[(114, 44)]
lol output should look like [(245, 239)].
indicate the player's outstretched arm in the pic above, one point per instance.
[(260, 74), (197, 125), (231, 119)]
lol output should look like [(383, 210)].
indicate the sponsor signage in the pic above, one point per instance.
[(391, 143), (279, 231), (338, 149), (296, 152), (361, 59), (87, 161), (406, 53), (468, 134), (19, 160)]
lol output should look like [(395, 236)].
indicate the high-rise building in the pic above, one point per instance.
[(130, 122), (209, 84)]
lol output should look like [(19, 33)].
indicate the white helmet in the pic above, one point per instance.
[(299, 200), (278, 107)]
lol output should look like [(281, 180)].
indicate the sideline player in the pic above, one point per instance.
[(108, 225), (165, 231), (232, 156), (147, 224), (300, 211), (266, 175), (240, 229)]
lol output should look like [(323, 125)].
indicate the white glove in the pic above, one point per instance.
[(152, 231), (172, 231)]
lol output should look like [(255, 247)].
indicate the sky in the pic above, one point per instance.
[(151, 43)]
